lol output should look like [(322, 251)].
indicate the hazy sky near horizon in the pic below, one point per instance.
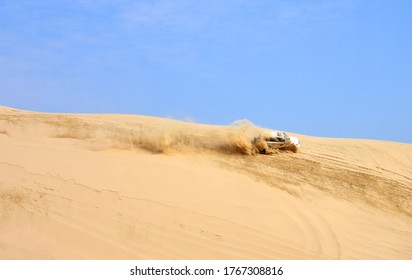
[(338, 68)]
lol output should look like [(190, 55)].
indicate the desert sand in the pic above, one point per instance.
[(78, 186)]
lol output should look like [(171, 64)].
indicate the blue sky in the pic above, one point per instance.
[(327, 68)]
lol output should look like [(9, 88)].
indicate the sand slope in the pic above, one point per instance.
[(138, 187)]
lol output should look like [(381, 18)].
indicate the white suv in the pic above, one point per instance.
[(277, 140)]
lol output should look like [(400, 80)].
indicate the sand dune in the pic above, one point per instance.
[(139, 187)]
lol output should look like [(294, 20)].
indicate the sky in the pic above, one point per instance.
[(339, 68)]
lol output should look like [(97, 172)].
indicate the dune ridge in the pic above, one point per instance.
[(161, 136), (108, 186)]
